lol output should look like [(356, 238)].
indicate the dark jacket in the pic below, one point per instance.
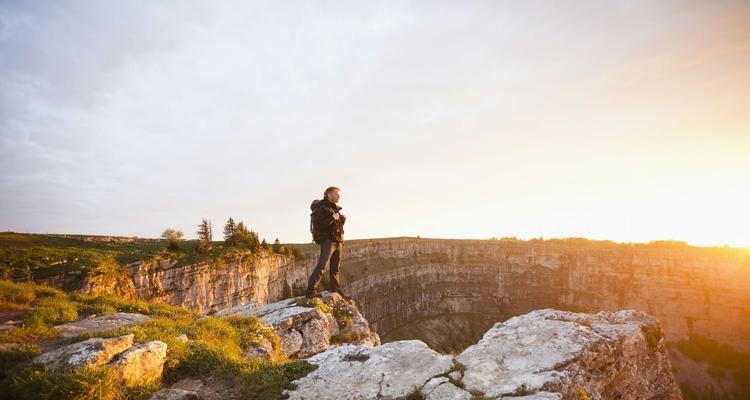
[(323, 219)]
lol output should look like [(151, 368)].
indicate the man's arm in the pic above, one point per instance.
[(323, 218)]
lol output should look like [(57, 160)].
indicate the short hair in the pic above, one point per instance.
[(329, 190)]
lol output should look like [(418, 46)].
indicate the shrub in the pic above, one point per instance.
[(36, 382), (315, 303), (12, 355)]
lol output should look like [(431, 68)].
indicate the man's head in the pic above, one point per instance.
[(332, 194)]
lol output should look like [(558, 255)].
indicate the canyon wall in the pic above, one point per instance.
[(689, 289), (205, 287)]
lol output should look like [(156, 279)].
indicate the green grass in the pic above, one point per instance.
[(315, 303), (215, 346)]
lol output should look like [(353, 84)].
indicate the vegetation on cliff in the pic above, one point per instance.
[(33, 257), (215, 346)]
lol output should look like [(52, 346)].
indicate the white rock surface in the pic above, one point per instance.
[(389, 371), (100, 323), (242, 310), (88, 353), (448, 391), (432, 384), (305, 330), (610, 355)]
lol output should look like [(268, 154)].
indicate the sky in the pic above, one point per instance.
[(627, 121)]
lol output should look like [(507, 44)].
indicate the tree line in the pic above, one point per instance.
[(236, 235)]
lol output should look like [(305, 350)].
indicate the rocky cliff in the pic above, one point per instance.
[(546, 354), (206, 287), (693, 292), (689, 290)]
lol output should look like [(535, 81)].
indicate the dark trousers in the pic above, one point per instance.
[(332, 251)]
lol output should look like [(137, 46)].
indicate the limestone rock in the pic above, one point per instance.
[(448, 391), (100, 323), (315, 338), (284, 314), (241, 310), (262, 350), (291, 341), (389, 371), (610, 355), (332, 326), (143, 363), (98, 284), (175, 394), (306, 330), (350, 322), (432, 384), (88, 353)]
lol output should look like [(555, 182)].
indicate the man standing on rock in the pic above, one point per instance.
[(328, 226)]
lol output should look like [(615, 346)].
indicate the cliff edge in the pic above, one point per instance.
[(545, 354)]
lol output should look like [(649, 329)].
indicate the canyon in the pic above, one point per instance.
[(692, 291)]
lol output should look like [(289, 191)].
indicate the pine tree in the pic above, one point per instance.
[(205, 235), (229, 230)]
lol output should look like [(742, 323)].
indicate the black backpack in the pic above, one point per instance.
[(316, 234)]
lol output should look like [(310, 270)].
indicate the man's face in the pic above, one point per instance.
[(333, 196)]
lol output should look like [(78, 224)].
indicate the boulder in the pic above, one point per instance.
[(315, 337), (291, 341), (262, 350), (88, 353), (100, 323), (607, 355), (350, 321), (305, 330), (389, 371), (142, 363)]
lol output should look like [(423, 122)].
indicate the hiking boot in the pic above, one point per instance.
[(314, 295), (344, 296)]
